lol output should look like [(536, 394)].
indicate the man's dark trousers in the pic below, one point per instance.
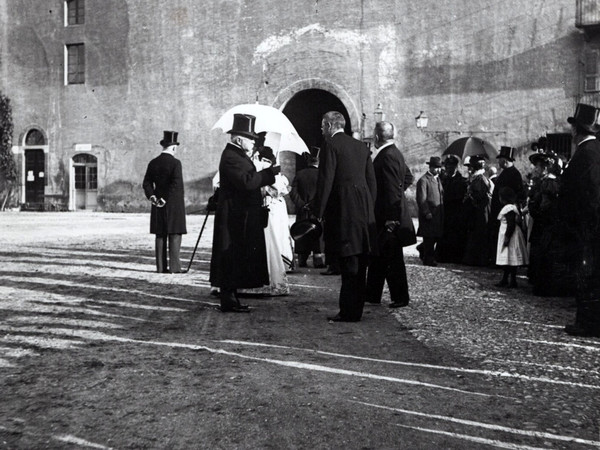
[(174, 241), (353, 290), (391, 269)]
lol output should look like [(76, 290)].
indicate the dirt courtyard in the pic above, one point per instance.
[(99, 351)]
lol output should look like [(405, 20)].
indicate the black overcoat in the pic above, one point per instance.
[(346, 192), (303, 191), (164, 179), (239, 257), (509, 177)]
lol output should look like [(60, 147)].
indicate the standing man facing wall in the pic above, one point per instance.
[(430, 200), (346, 191), (163, 186)]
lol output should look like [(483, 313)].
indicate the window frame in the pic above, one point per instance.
[(76, 76), (591, 71), (74, 9)]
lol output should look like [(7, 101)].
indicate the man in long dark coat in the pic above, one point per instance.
[(346, 191), (391, 174), (509, 177), (430, 200), (163, 186), (451, 246), (304, 189), (579, 209), (239, 257)]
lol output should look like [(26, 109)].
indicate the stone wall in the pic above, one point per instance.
[(507, 71)]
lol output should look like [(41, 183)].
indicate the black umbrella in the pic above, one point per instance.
[(471, 146)]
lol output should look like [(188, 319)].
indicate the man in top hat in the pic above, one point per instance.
[(430, 200), (304, 189), (346, 191), (391, 216), (509, 177), (579, 210), (239, 257), (163, 186)]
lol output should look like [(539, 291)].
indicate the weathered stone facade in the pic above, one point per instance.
[(507, 71)]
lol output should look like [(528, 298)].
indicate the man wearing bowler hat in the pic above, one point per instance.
[(430, 200), (508, 177), (239, 258), (579, 211), (163, 186)]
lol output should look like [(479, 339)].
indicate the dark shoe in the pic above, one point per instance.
[(398, 304), (502, 283), (330, 272), (578, 330), (338, 318), (430, 263), (236, 309), (513, 284), (320, 266), (302, 264)]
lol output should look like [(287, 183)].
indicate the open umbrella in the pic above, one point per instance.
[(281, 134), (471, 146)]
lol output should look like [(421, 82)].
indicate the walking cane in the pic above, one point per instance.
[(198, 240)]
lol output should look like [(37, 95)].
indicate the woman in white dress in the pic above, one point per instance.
[(511, 248), (278, 241)]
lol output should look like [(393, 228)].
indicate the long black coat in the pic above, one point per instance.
[(239, 257), (164, 178), (303, 191), (452, 245), (509, 177), (346, 191)]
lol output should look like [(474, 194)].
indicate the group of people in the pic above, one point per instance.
[(550, 224)]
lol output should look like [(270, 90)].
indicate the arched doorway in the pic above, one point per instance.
[(85, 181), (305, 110), (35, 169)]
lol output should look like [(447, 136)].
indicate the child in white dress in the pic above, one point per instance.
[(512, 248)]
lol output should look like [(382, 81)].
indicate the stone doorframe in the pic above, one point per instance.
[(287, 93)]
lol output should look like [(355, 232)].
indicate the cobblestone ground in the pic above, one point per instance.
[(98, 351)]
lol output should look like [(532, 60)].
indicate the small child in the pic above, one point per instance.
[(512, 248)]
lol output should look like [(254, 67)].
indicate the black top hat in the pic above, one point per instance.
[(586, 116), (507, 152), (435, 161), (169, 138), (243, 125), (306, 230)]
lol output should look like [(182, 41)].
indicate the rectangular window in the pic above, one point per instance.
[(75, 12), (592, 72), (92, 177), (79, 177), (75, 64)]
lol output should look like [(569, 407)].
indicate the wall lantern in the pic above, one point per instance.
[(422, 120), (378, 113)]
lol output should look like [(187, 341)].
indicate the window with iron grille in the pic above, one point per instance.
[(75, 12), (75, 64), (592, 72)]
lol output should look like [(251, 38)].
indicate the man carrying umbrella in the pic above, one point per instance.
[(239, 258)]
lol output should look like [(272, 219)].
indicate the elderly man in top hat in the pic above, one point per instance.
[(579, 209), (430, 200), (163, 186), (239, 257), (509, 177)]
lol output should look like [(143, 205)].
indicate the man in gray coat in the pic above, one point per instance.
[(163, 186), (346, 191), (430, 200)]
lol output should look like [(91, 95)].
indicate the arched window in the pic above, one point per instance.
[(35, 137)]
